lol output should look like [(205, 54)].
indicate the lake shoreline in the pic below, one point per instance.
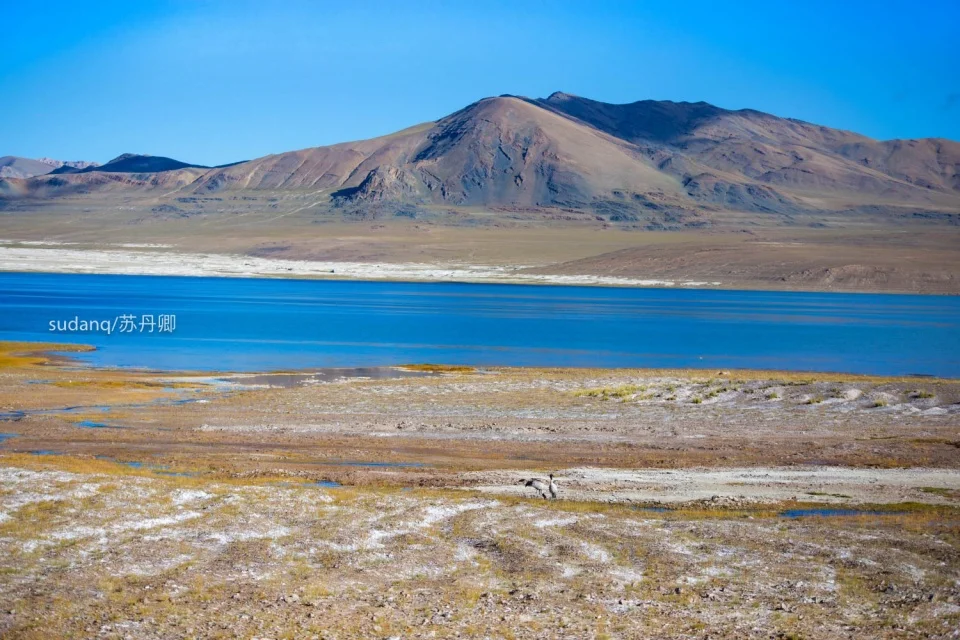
[(158, 260), (59, 353), (163, 263)]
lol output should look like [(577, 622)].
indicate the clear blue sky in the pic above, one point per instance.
[(215, 82)]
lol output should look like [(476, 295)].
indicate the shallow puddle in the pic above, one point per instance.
[(159, 469), (135, 464), (828, 513), (326, 484), (90, 424), (13, 416)]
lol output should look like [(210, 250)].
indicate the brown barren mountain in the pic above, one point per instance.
[(653, 163), (562, 163), (754, 161)]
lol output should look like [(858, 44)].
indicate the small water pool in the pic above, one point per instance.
[(91, 424), (829, 513), (159, 469)]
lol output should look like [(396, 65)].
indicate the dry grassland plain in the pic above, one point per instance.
[(291, 505)]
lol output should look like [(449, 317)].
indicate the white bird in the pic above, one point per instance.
[(543, 487)]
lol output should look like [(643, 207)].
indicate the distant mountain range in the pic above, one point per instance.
[(16, 167), (131, 163), (658, 164)]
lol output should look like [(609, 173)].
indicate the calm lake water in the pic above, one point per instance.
[(258, 324)]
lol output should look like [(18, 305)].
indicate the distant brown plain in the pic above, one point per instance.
[(865, 255)]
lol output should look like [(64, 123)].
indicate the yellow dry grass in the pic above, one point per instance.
[(15, 355)]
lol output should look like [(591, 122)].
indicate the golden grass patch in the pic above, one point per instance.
[(15, 355)]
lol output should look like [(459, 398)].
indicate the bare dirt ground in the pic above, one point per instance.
[(155, 505)]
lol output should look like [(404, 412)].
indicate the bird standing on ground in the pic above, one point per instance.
[(546, 489)]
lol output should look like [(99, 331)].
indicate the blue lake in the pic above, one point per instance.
[(260, 324)]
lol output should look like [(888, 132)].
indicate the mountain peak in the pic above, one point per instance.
[(139, 163), (560, 96), (126, 156)]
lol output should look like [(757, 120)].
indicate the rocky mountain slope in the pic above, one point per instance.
[(654, 163), (785, 154)]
